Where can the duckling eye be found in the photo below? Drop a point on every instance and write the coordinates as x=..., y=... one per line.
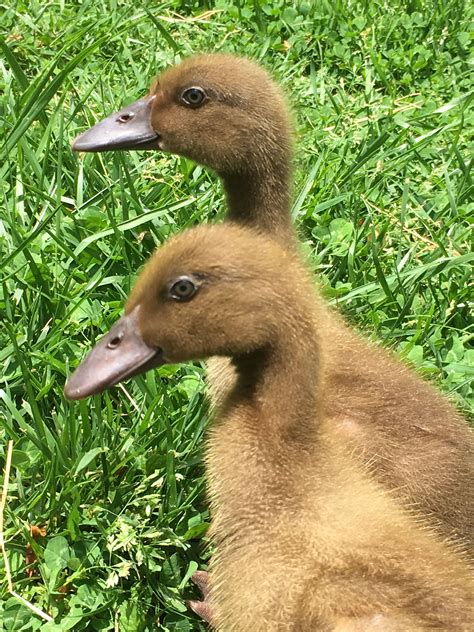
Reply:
x=194, y=97
x=183, y=289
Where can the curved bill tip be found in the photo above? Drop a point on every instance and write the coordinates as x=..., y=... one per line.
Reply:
x=129, y=128
x=119, y=355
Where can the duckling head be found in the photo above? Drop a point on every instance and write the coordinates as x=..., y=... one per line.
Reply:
x=220, y=110
x=212, y=290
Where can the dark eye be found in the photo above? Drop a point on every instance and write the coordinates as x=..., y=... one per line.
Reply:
x=183, y=289
x=194, y=97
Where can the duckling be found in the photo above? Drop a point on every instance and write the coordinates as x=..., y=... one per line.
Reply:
x=305, y=538
x=227, y=113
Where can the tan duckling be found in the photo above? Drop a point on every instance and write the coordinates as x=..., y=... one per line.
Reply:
x=227, y=113
x=224, y=112
x=306, y=539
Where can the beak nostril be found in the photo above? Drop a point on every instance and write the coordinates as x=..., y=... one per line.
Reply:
x=124, y=118
x=115, y=342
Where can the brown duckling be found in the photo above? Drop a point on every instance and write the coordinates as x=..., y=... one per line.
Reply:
x=306, y=539
x=227, y=113
x=224, y=112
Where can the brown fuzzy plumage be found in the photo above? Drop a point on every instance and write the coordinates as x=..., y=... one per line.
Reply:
x=243, y=132
x=412, y=437
x=306, y=539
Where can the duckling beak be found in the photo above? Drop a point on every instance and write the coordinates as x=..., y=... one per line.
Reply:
x=128, y=129
x=119, y=355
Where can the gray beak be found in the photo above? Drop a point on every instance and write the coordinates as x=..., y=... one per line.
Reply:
x=128, y=129
x=119, y=355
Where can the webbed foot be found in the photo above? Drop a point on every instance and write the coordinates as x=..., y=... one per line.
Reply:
x=201, y=608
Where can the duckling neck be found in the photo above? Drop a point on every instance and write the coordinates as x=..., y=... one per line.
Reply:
x=273, y=411
x=261, y=199
x=280, y=387
x=267, y=438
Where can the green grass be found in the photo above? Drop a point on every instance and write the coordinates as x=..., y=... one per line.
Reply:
x=383, y=203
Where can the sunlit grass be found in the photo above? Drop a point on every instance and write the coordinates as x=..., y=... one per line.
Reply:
x=382, y=202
